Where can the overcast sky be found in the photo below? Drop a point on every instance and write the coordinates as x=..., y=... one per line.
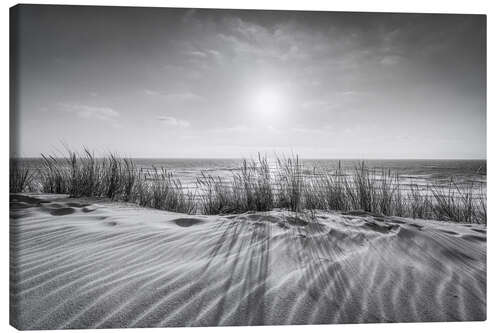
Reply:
x=150, y=82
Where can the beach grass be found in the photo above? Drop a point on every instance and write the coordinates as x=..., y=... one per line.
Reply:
x=250, y=189
x=158, y=188
x=20, y=178
x=290, y=184
x=254, y=186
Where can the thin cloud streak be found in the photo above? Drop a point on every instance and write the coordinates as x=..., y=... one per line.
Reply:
x=91, y=112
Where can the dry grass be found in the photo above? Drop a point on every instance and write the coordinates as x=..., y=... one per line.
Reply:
x=20, y=178
x=255, y=186
x=380, y=192
x=249, y=190
x=290, y=184
x=158, y=188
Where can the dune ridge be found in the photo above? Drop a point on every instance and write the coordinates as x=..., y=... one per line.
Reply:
x=78, y=263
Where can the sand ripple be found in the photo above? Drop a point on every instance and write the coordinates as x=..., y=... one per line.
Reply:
x=78, y=264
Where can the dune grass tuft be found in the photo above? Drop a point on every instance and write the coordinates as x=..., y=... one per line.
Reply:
x=87, y=176
x=290, y=184
x=158, y=188
x=21, y=178
x=250, y=189
x=380, y=192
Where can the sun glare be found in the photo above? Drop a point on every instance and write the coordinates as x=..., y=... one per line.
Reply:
x=268, y=102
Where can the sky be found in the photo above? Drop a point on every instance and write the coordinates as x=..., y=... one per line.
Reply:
x=188, y=83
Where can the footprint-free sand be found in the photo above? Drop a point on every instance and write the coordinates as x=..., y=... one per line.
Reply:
x=79, y=263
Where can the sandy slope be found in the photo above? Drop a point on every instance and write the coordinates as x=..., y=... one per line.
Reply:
x=81, y=265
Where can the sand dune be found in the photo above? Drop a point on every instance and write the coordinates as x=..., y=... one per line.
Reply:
x=84, y=264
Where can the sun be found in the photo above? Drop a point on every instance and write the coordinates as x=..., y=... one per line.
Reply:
x=268, y=101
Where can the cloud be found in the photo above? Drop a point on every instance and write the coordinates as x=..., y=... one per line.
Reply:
x=91, y=112
x=318, y=105
x=248, y=39
x=289, y=41
x=186, y=72
x=231, y=129
x=152, y=92
x=390, y=60
x=186, y=96
x=214, y=53
x=174, y=122
x=197, y=54
x=183, y=97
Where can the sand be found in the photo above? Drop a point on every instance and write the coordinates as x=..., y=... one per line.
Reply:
x=93, y=264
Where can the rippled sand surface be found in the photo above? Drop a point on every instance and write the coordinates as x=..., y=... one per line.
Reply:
x=93, y=264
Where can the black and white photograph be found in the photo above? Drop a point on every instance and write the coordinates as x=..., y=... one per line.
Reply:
x=177, y=167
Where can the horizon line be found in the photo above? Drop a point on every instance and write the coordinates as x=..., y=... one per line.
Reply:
x=253, y=155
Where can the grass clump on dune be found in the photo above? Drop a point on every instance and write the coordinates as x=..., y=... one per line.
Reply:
x=20, y=178
x=380, y=192
x=110, y=177
x=457, y=203
x=216, y=196
x=158, y=188
x=250, y=189
x=87, y=176
x=252, y=185
x=290, y=184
